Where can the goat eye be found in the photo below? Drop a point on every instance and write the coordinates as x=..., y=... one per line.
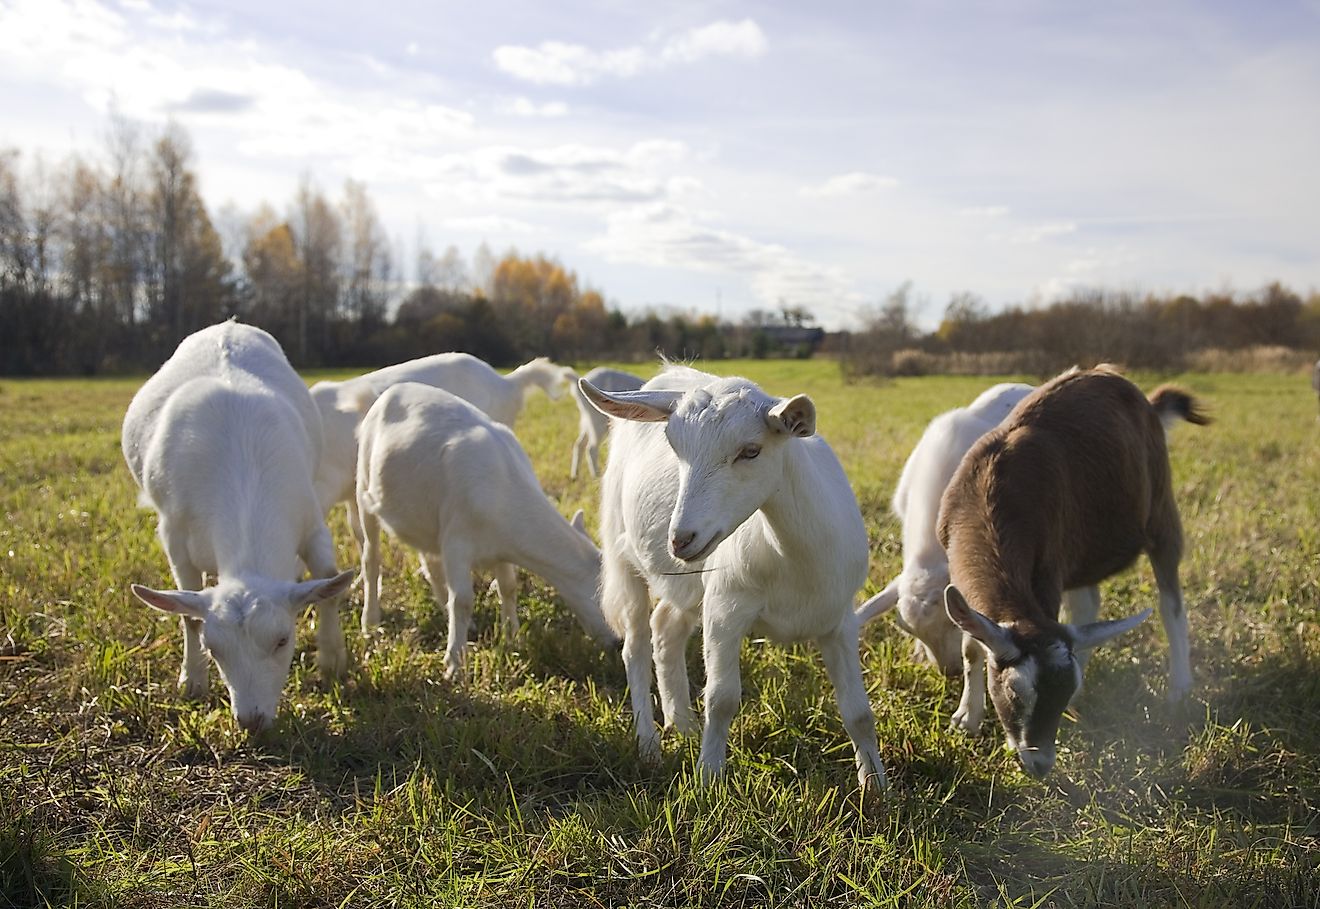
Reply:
x=281, y=642
x=748, y=453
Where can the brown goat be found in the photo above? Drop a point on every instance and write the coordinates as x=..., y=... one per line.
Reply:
x=1069, y=490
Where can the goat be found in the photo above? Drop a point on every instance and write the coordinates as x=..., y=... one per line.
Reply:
x=918, y=591
x=342, y=405
x=592, y=424
x=725, y=503
x=441, y=476
x=1068, y=491
x=223, y=441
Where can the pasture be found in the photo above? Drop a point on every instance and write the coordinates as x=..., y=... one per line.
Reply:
x=522, y=787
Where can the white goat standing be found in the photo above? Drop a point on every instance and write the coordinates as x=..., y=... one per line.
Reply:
x=918, y=591
x=223, y=441
x=592, y=424
x=723, y=501
x=447, y=480
x=342, y=405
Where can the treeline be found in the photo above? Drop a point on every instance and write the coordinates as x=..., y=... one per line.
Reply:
x=1273, y=328
x=106, y=262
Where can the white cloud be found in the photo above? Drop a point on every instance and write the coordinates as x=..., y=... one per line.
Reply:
x=984, y=211
x=719, y=39
x=560, y=63
x=412, y=49
x=155, y=67
x=489, y=225
x=850, y=184
x=664, y=235
x=562, y=174
x=524, y=107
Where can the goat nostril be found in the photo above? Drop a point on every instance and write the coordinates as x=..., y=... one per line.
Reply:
x=681, y=541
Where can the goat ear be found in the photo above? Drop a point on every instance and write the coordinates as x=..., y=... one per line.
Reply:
x=176, y=602
x=1094, y=634
x=320, y=589
x=579, y=521
x=643, y=406
x=879, y=604
x=990, y=635
x=795, y=416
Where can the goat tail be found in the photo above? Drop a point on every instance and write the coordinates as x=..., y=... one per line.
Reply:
x=879, y=604
x=1172, y=404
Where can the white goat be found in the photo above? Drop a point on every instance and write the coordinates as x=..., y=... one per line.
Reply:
x=722, y=500
x=343, y=403
x=918, y=591
x=223, y=441
x=592, y=424
x=447, y=480
x=1066, y=492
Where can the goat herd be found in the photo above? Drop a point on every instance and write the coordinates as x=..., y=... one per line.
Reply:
x=720, y=506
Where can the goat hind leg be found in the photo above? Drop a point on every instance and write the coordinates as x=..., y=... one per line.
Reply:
x=839, y=651
x=1174, y=617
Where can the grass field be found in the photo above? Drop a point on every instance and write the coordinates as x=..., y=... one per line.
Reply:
x=522, y=787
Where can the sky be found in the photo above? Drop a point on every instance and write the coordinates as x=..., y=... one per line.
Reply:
x=730, y=156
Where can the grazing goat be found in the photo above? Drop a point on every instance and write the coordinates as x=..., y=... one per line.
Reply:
x=447, y=480
x=722, y=500
x=1064, y=494
x=918, y=591
x=223, y=441
x=343, y=403
x=592, y=424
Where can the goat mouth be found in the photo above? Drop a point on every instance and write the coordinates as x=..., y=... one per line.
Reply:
x=701, y=553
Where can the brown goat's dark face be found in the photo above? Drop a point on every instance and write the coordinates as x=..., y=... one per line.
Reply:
x=1032, y=678
x=1030, y=695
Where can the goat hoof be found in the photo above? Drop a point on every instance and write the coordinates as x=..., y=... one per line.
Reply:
x=193, y=689
x=685, y=724
x=963, y=722
x=332, y=663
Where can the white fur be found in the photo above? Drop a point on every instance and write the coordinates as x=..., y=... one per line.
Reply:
x=447, y=480
x=772, y=545
x=592, y=424
x=342, y=405
x=918, y=591
x=223, y=442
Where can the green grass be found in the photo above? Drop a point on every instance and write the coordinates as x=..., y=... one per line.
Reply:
x=522, y=787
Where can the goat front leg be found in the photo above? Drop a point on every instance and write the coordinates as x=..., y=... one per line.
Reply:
x=722, y=631
x=1083, y=607
x=195, y=673
x=625, y=597
x=844, y=666
x=579, y=446
x=671, y=627
x=331, y=652
x=971, y=709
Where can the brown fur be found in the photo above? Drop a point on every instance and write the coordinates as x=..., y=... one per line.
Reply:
x=1066, y=493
